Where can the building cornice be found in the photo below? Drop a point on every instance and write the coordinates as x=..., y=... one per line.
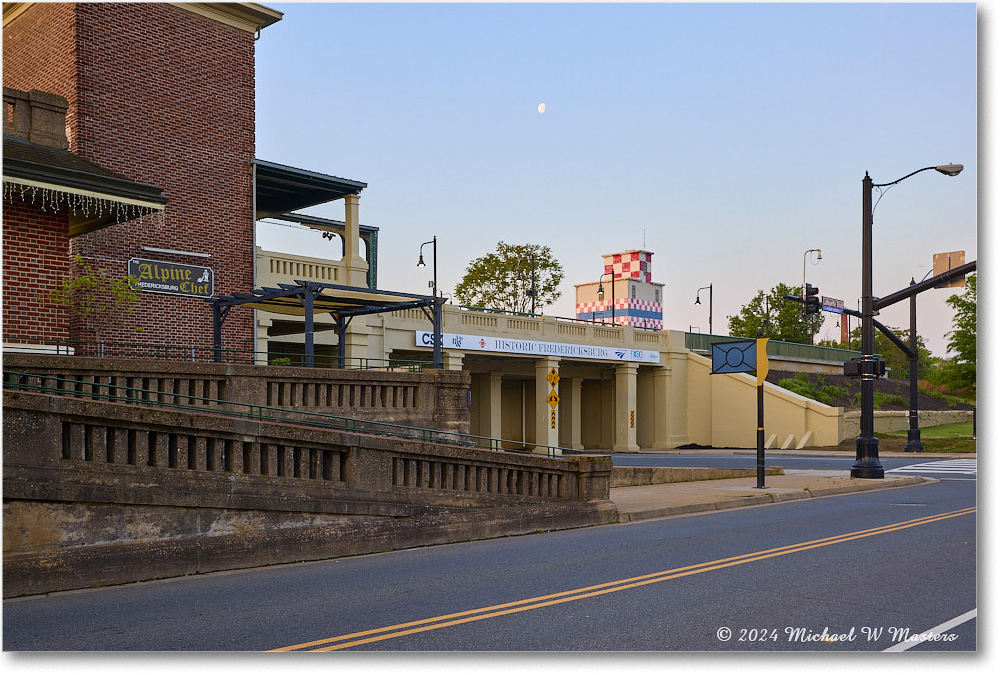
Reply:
x=12, y=10
x=247, y=16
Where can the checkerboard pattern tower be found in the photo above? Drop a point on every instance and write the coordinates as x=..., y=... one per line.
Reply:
x=630, y=265
x=637, y=298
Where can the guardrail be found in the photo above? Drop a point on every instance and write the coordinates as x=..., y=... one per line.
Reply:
x=704, y=341
x=197, y=354
x=115, y=393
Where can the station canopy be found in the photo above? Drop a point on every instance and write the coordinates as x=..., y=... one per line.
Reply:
x=312, y=297
x=308, y=298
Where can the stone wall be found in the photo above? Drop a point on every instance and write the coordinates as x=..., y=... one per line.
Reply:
x=888, y=421
x=105, y=493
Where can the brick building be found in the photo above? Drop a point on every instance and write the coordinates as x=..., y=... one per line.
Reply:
x=159, y=95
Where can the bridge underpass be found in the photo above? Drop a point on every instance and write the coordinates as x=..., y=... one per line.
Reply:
x=601, y=406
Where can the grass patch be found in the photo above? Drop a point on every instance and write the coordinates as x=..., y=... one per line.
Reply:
x=955, y=437
x=949, y=430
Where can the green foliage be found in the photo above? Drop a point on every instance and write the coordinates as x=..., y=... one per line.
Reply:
x=798, y=385
x=830, y=392
x=962, y=340
x=896, y=362
x=785, y=317
x=801, y=385
x=502, y=280
x=880, y=399
x=101, y=302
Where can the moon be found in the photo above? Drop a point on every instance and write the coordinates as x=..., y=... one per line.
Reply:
x=541, y=107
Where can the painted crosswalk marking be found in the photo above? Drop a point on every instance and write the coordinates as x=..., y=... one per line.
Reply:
x=963, y=466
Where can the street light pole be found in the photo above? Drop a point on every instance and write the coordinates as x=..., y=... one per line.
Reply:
x=600, y=293
x=437, y=302
x=697, y=301
x=533, y=293
x=913, y=443
x=866, y=463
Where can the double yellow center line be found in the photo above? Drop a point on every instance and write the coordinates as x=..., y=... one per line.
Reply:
x=438, y=622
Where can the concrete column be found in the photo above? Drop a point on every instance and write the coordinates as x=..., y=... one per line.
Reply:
x=571, y=407
x=678, y=409
x=625, y=408
x=546, y=432
x=263, y=323
x=356, y=343
x=661, y=408
x=452, y=360
x=357, y=267
x=491, y=408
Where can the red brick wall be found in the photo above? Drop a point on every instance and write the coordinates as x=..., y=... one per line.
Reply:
x=164, y=97
x=34, y=264
x=39, y=52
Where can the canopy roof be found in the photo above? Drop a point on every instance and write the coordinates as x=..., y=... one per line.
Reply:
x=308, y=298
x=91, y=195
x=340, y=301
x=281, y=189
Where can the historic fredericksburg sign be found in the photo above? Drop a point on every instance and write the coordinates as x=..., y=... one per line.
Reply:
x=517, y=346
x=156, y=276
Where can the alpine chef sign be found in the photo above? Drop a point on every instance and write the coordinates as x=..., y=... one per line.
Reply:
x=156, y=276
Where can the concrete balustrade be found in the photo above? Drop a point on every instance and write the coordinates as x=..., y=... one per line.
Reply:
x=99, y=493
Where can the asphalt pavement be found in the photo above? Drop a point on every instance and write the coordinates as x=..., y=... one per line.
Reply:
x=670, y=499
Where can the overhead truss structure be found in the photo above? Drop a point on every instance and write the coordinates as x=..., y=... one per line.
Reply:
x=343, y=303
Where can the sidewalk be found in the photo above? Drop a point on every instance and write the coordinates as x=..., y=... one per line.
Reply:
x=670, y=499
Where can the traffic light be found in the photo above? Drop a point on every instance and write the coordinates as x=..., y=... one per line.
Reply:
x=812, y=299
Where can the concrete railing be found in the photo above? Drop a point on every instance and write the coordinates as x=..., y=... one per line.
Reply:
x=432, y=399
x=103, y=493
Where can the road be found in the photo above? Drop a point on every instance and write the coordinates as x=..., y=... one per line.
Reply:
x=929, y=464
x=855, y=572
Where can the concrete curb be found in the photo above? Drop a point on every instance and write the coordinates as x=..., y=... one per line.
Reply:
x=767, y=495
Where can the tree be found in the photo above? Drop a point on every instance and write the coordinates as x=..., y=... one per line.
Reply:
x=503, y=279
x=98, y=300
x=785, y=317
x=962, y=340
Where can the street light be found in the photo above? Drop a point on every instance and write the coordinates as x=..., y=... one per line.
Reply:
x=805, y=257
x=697, y=301
x=437, y=302
x=913, y=443
x=600, y=292
x=520, y=278
x=866, y=463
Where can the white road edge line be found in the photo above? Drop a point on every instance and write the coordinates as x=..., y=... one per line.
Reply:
x=936, y=630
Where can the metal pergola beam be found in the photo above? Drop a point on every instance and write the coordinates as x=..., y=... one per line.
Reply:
x=343, y=303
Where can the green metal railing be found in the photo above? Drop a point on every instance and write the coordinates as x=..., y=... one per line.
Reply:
x=703, y=341
x=196, y=354
x=116, y=393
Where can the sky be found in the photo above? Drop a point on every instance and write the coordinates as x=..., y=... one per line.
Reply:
x=728, y=139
